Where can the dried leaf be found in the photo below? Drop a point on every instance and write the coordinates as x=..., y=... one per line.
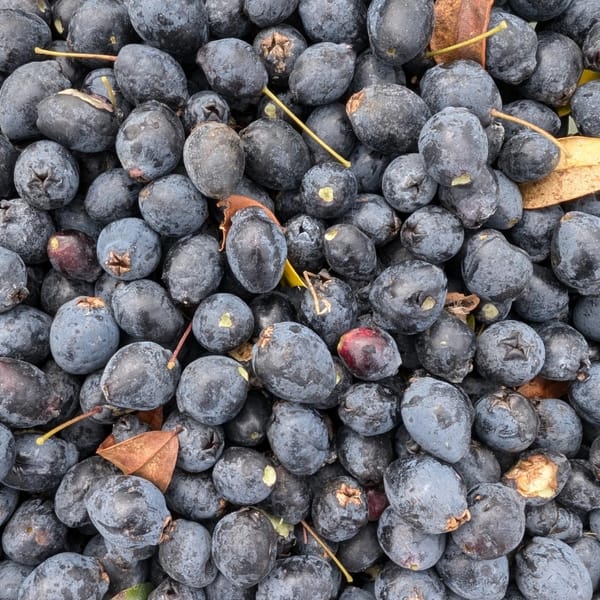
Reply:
x=456, y=21
x=92, y=100
x=141, y=591
x=539, y=387
x=577, y=174
x=151, y=455
x=461, y=305
x=154, y=418
x=235, y=202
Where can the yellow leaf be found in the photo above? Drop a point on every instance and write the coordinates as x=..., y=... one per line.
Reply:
x=290, y=277
x=587, y=75
x=577, y=174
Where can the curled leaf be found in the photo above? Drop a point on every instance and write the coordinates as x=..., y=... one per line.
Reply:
x=539, y=387
x=151, y=455
x=456, y=21
x=577, y=174
x=461, y=305
x=235, y=202
x=154, y=417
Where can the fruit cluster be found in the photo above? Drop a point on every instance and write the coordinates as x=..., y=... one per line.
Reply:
x=312, y=354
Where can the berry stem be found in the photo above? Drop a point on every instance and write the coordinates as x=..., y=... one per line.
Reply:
x=267, y=92
x=42, y=439
x=327, y=549
x=109, y=90
x=180, y=343
x=56, y=53
x=482, y=36
x=500, y=115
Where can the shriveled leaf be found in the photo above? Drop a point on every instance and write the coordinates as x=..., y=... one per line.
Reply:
x=151, y=455
x=154, y=417
x=92, y=100
x=577, y=174
x=539, y=387
x=456, y=21
x=461, y=305
x=235, y=202
x=141, y=591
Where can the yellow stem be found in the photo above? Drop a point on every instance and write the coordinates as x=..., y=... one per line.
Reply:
x=327, y=549
x=267, y=92
x=42, y=439
x=56, y=53
x=482, y=36
x=109, y=89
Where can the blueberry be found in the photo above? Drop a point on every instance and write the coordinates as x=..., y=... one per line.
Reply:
x=585, y=317
x=534, y=10
x=438, y=416
x=362, y=550
x=185, y=554
x=533, y=233
x=244, y=546
x=256, y=250
x=494, y=269
x=478, y=465
x=8, y=452
x=180, y=28
x=205, y=106
x=588, y=550
x=560, y=428
x=83, y=335
x=67, y=573
x=150, y=141
x=21, y=31
x=368, y=167
x=591, y=46
x=559, y=66
x=547, y=567
x=387, y=117
x=25, y=333
x=304, y=239
x=193, y=496
x=349, y=252
x=461, y=83
x=338, y=22
x=370, y=69
x=375, y=217
x=566, y=352
x=214, y=159
x=406, y=184
x=20, y=93
x=573, y=261
x=406, y=545
x=293, y=363
x=328, y=190
x=532, y=111
x=128, y=249
x=395, y=582
x=583, y=394
x=212, y=389
x=13, y=574
x=409, y=296
x=13, y=275
x=412, y=482
x=298, y=437
x=399, y=31
x=8, y=155
x=574, y=20
x=506, y=421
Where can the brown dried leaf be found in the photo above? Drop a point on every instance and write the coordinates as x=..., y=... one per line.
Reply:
x=151, y=455
x=154, y=418
x=93, y=100
x=456, y=21
x=539, y=387
x=577, y=174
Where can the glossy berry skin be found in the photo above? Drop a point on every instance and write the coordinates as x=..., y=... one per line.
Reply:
x=128, y=249
x=489, y=252
x=243, y=476
x=137, y=377
x=454, y=146
x=214, y=159
x=150, y=141
x=73, y=253
x=244, y=546
x=185, y=554
x=388, y=23
x=256, y=251
x=408, y=297
x=411, y=483
x=33, y=533
x=172, y=206
x=39, y=469
x=295, y=576
x=546, y=567
x=349, y=252
x=298, y=437
x=128, y=511
x=505, y=421
x=438, y=416
x=83, y=335
x=46, y=175
x=369, y=354
x=406, y=545
x=222, y=322
x=25, y=230
x=212, y=389
x=66, y=573
x=387, y=117
x=322, y=73
x=144, y=310
x=293, y=363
